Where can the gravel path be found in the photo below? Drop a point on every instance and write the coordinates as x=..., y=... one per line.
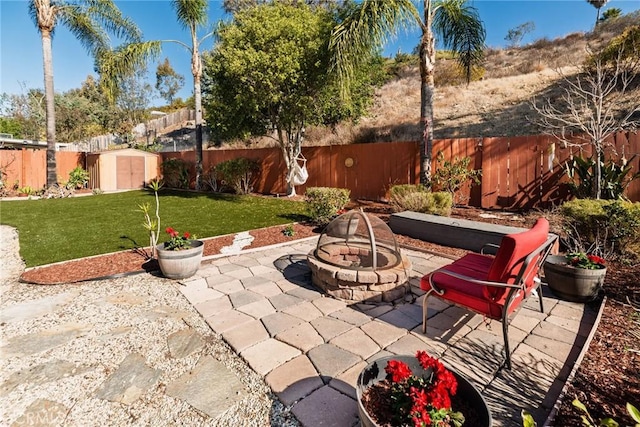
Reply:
x=127, y=351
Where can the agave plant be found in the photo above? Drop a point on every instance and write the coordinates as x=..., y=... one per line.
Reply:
x=614, y=180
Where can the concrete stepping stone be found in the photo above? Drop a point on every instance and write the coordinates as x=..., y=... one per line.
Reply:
x=279, y=322
x=183, y=343
x=326, y=407
x=41, y=374
x=42, y=413
x=38, y=342
x=209, y=387
x=129, y=382
x=33, y=309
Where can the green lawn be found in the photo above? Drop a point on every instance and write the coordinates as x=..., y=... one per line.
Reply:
x=61, y=229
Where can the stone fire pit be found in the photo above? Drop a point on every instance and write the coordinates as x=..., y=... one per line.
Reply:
x=357, y=259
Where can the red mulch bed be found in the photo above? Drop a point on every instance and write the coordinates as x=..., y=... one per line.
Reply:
x=608, y=377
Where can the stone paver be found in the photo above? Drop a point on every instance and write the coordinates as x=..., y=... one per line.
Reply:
x=279, y=322
x=227, y=320
x=303, y=336
x=327, y=407
x=246, y=335
x=268, y=355
x=329, y=328
x=209, y=387
x=382, y=333
x=129, y=382
x=330, y=360
x=294, y=380
x=356, y=341
x=183, y=343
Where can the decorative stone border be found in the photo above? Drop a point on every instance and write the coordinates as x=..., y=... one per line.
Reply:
x=386, y=285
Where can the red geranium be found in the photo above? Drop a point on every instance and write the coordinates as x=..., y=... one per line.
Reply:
x=420, y=400
x=176, y=241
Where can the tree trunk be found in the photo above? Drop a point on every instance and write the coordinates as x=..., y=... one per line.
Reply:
x=52, y=175
x=196, y=69
x=427, y=87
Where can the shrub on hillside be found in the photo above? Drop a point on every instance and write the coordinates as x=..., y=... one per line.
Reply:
x=418, y=198
x=324, y=203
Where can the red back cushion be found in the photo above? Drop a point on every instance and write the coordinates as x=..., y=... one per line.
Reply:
x=514, y=248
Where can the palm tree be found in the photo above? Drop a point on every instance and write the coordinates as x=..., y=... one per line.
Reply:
x=597, y=4
x=192, y=14
x=90, y=21
x=367, y=25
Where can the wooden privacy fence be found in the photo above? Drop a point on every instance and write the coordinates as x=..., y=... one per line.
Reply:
x=28, y=167
x=517, y=173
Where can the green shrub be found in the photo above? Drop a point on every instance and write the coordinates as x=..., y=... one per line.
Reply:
x=418, y=198
x=450, y=176
x=237, y=174
x=323, y=203
x=605, y=226
x=78, y=178
x=175, y=173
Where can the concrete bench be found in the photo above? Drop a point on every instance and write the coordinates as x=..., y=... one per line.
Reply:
x=452, y=232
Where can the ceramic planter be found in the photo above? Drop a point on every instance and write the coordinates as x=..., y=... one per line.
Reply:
x=571, y=283
x=180, y=264
x=374, y=373
x=343, y=227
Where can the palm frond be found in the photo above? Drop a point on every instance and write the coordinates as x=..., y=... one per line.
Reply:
x=191, y=13
x=365, y=28
x=461, y=31
x=115, y=65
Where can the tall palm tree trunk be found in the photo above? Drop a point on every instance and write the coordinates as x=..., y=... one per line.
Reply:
x=52, y=175
x=427, y=88
x=196, y=68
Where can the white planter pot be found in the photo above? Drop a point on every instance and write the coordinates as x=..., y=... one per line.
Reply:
x=180, y=264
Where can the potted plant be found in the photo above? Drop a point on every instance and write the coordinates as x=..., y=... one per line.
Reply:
x=405, y=390
x=577, y=276
x=344, y=225
x=180, y=256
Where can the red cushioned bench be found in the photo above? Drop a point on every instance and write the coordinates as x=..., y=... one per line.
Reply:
x=494, y=286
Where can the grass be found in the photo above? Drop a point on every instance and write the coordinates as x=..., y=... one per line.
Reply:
x=56, y=230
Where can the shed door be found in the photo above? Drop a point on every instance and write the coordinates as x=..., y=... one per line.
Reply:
x=129, y=172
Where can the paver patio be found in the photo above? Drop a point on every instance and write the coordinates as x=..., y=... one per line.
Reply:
x=311, y=347
x=144, y=345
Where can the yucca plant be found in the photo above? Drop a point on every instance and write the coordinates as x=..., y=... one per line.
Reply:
x=615, y=177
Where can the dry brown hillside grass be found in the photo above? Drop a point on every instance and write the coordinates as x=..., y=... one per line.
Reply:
x=497, y=105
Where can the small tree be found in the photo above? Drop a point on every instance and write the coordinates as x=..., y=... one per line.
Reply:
x=268, y=75
x=168, y=81
x=589, y=110
x=515, y=35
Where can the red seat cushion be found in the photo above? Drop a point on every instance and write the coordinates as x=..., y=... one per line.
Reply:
x=503, y=268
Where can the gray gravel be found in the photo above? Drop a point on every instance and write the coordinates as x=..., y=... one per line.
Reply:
x=60, y=344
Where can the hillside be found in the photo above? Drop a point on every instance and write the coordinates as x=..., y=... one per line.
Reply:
x=497, y=105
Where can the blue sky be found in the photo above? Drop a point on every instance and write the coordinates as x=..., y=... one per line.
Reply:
x=21, y=51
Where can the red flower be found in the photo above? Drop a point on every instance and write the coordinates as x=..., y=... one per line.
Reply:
x=186, y=235
x=172, y=232
x=596, y=259
x=398, y=370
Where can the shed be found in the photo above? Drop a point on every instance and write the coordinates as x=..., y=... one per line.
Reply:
x=123, y=169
